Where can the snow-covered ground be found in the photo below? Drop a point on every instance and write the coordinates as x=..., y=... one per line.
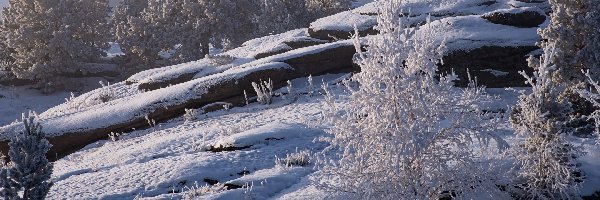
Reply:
x=15, y=100
x=232, y=154
x=176, y=158
x=156, y=162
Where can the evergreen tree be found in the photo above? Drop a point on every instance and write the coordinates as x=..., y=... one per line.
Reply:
x=29, y=170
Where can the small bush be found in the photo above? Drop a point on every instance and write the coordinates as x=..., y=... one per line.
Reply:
x=198, y=191
x=299, y=158
x=264, y=91
x=190, y=115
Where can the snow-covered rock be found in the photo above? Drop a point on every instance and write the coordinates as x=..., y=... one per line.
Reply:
x=517, y=17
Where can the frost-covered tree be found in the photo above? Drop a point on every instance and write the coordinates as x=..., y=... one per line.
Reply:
x=188, y=27
x=573, y=30
x=544, y=156
x=278, y=16
x=231, y=22
x=122, y=12
x=29, y=170
x=328, y=7
x=50, y=37
x=408, y=133
x=128, y=30
x=143, y=29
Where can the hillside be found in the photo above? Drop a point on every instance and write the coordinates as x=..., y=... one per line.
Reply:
x=198, y=129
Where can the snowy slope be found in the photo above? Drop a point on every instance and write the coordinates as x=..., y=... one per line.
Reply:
x=153, y=162
x=174, y=159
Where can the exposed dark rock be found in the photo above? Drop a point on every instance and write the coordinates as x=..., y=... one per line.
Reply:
x=532, y=1
x=492, y=66
x=211, y=181
x=525, y=19
x=329, y=60
x=229, y=148
x=594, y=196
x=231, y=186
x=488, y=3
x=243, y=173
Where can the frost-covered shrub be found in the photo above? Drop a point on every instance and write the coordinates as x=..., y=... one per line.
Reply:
x=544, y=157
x=299, y=158
x=264, y=91
x=133, y=38
x=29, y=172
x=408, y=133
x=311, y=87
x=104, y=95
x=593, y=95
x=292, y=95
x=51, y=37
x=190, y=115
x=198, y=191
x=114, y=136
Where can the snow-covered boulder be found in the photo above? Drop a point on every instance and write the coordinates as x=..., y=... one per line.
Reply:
x=263, y=135
x=341, y=26
x=70, y=132
x=517, y=17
